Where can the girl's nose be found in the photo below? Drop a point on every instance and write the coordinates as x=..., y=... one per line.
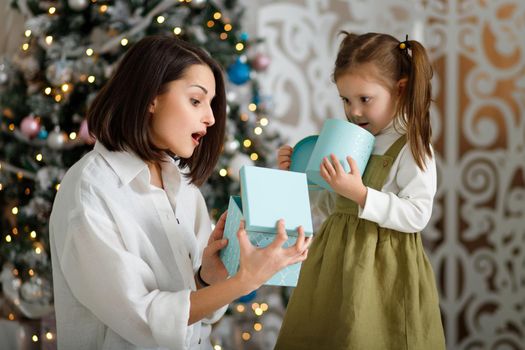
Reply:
x=355, y=112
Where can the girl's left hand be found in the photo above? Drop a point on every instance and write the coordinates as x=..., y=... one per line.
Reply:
x=213, y=269
x=349, y=185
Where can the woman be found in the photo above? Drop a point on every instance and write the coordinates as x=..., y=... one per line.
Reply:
x=134, y=263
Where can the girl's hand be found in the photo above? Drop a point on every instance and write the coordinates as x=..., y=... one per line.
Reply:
x=284, y=156
x=213, y=269
x=258, y=265
x=349, y=185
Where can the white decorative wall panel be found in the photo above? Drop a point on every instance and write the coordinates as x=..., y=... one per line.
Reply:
x=476, y=237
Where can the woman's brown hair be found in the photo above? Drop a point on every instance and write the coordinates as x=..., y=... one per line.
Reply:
x=394, y=61
x=119, y=114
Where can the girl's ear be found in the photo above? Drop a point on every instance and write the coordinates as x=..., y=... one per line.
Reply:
x=153, y=105
x=401, y=85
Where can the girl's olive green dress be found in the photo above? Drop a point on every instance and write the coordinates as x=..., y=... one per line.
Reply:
x=364, y=287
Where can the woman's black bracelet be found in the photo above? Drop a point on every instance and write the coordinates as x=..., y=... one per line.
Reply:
x=199, y=277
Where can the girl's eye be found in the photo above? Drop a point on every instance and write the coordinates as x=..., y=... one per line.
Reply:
x=195, y=102
x=345, y=100
x=365, y=99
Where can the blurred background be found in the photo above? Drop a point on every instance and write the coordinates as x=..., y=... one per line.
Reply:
x=278, y=57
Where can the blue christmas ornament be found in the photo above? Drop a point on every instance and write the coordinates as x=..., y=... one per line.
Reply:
x=42, y=134
x=248, y=297
x=239, y=72
x=244, y=36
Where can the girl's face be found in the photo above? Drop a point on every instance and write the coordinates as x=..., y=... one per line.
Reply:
x=181, y=115
x=366, y=101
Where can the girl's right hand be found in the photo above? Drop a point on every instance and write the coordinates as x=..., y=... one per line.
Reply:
x=284, y=156
x=258, y=265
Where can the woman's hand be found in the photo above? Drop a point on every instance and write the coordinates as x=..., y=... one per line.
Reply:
x=213, y=269
x=284, y=156
x=349, y=185
x=258, y=265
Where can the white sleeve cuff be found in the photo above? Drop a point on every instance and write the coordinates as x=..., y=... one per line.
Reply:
x=168, y=318
x=215, y=316
x=376, y=205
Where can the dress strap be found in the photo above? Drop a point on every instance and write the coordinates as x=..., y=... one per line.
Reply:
x=396, y=147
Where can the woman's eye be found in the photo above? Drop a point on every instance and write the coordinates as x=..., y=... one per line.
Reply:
x=195, y=102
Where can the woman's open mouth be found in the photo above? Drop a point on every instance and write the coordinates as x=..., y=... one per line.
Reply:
x=197, y=136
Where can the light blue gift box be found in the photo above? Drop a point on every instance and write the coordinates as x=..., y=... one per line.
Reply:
x=343, y=139
x=267, y=195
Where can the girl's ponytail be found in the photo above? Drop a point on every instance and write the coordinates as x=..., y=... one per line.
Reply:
x=414, y=103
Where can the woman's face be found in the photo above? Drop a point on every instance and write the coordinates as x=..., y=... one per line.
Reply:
x=366, y=101
x=182, y=114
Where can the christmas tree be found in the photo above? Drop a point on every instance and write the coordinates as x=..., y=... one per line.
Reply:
x=69, y=50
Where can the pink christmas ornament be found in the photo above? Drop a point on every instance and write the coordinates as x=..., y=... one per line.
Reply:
x=30, y=126
x=83, y=132
x=261, y=62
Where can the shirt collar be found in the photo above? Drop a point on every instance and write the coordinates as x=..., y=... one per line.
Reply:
x=392, y=129
x=128, y=166
x=125, y=164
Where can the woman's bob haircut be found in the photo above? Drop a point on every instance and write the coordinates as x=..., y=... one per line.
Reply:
x=119, y=116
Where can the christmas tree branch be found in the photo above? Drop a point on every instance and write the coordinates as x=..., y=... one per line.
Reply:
x=164, y=5
x=13, y=169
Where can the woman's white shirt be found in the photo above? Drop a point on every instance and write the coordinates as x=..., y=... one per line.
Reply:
x=405, y=201
x=124, y=255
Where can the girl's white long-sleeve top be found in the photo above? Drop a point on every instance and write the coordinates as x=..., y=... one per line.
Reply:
x=124, y=256
x=406, y=199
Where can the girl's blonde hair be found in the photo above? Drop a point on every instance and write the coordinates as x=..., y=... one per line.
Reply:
x=394, y=61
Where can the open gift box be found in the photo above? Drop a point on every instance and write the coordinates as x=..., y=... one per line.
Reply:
x=267, y=195
x=339, y=137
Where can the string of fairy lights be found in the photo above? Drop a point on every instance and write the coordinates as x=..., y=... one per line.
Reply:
x=60, y=93
x=58, y=139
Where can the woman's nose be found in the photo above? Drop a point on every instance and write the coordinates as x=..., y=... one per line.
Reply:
x=209, y=119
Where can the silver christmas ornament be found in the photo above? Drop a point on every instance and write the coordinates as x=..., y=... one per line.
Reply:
x=31, y=291
x=3, y=78
x=56, y=139
x=198, y=4
x=231, y=146
x=236, y=163
x=78, y=5
x=231, y=96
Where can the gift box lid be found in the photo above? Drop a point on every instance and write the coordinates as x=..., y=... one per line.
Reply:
x=270, y=194
x=301, y=154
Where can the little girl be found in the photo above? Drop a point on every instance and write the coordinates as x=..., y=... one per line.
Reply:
x=367, y=283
